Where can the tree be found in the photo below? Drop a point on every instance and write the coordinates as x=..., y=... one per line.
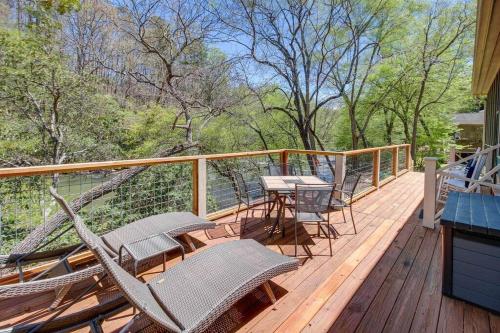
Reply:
x=440, y=46
x=38, y=91
x=169, y=38
x=294, y=44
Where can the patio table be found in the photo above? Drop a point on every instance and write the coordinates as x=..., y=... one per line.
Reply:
x=281, y=187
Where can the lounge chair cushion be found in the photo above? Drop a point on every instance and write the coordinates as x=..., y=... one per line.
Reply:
x=174, y=224
x=199, y=289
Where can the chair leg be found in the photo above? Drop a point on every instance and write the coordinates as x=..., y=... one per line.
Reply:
x=186, y=238
x=265, y=203
x=319, y=230
x=343, y=214
x=352, y=218
x=269, y=291
x=329, y=238
x=244, y=225
x=60, y=293
x=237, y=212
x=164, y=261
x=183, y=253
x=295, y=238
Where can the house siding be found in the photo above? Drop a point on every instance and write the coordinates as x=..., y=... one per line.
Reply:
x=491, y=118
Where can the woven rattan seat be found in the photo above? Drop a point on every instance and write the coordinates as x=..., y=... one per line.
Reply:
x=207, y=284
x=173, y=224
x=191, y=295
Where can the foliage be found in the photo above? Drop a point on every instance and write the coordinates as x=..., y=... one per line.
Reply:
x=89, y=80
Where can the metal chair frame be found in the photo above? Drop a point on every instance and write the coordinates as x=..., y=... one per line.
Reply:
x=243, y=197
x=342, y=202
x=319, y=210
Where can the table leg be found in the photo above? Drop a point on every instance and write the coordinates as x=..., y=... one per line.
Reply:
x=276, y=222
x=283, y=211
x=280, y=216
x=271, y=207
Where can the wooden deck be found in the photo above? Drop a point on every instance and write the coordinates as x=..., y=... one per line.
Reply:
x=384, y=278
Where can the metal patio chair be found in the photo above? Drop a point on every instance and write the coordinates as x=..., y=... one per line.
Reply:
x=192, y=294
x=244, y=198
x=277, y=169
x=311, y=202
x=342, y=197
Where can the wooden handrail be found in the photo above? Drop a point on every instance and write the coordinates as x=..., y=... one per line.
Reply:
x=77, y=167
x=92, y=166
x=314, y=152
x=371, y=150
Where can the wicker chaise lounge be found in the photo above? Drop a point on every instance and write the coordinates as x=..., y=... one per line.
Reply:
x=173, y=224
x=192, y=294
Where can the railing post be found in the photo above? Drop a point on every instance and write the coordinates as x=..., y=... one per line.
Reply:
x=340, y=172
x=453, y=154
x=395, y=161
x=284, y=162
x=376, y=168
x=200, y=187
x=408, y=157
x=430, y=192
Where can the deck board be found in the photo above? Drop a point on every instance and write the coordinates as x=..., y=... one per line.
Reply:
x=387, y=277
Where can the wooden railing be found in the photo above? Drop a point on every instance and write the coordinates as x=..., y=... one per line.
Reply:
x=435, y=178
x=199, y=166
x=380, y=165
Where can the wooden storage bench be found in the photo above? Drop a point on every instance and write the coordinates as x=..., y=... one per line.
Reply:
x=471, y=249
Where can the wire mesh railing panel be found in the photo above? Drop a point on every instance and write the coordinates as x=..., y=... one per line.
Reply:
x=361, y=164
x=401, y=158
x=385, y=164
x=321, y=166
x=112, y=198
x=108, y=199
x=23, y=206
x=221, y=187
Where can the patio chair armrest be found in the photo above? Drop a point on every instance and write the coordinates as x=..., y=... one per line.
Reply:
x=120, y=251
x=350, y=193
x=346, y=192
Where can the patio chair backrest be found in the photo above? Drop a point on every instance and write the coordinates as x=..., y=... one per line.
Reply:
x=478, y=167
x=313, y=198
x=242, y=193
x=348, y=180
x=277, y=169
x=80, y=227
x=137, y=293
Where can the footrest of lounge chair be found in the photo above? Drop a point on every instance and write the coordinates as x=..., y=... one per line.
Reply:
x=196, y=291
x=173, y=224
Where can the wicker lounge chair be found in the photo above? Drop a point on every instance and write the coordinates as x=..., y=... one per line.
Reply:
x=173, y=224
x=192, y=294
